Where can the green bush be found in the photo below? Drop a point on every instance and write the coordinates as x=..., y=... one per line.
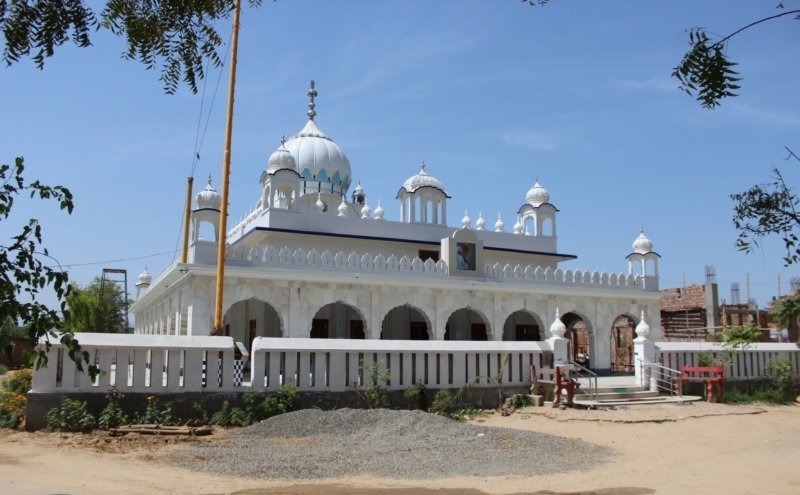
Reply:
x=14, y=399
x=19, y=382
x=442, y=403
x=71, y=415
x=417, y=396
x=112, y=415
x=780, y=373
x=3, y=369
x=374, y=394
x=256, y=407
x=155, y=414
x=521, y=400
x=223, y=416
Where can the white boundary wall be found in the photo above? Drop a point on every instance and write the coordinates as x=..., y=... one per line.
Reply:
x=748, y=364
x=172, y=364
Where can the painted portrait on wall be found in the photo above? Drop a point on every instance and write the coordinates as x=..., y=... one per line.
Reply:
x=465, y=256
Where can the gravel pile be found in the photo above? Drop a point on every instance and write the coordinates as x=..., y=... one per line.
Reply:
x=314, y=444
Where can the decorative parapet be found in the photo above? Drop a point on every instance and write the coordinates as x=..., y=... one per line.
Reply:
x=354, y=261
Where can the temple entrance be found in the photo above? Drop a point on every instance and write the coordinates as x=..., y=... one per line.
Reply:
x=579, y=339
x=251, y=318
x=404, y=323
x=466, y=324
x=522, y=326
x=622, y=335
x=337, y=321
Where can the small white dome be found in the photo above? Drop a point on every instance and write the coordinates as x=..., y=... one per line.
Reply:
x=319, y=204
x=480, y=223
x=642, y=244
x=359, y=189
x=466, y=221
x=208, y=198
x=379, y=211
x=519, y=228
x=342, y=209
x=144, y=279
x=558, y=329
x=281, y=158
x=422, y=179
x=499, y=225
x=642, y=329
x=366, y=211
x=537, y=195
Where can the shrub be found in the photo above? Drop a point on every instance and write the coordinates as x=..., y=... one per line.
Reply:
x=375, y=394
x=258, y=407
x=417, y=396
x=70, y=415
x=155, y=414
x=521, y=400
x=442, y=403
x=780, y=373
x=112, y=415
x=223, y=416
x=3, y=369
x=13, y=399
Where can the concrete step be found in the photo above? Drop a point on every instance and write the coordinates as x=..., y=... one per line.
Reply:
x=661, y=399
x=618, y=395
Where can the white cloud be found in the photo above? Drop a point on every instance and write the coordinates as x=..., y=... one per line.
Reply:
x=765, y=115
x=654, y=83
x=530, y=139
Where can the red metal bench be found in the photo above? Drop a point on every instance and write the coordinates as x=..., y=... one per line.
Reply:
x=713, y=376
x=555, y=380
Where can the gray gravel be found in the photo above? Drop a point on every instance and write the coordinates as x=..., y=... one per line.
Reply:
x=314, y=444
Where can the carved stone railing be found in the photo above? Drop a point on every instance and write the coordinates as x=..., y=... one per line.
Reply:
x=532, y=273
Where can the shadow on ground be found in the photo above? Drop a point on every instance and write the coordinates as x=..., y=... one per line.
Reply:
x=349, y=490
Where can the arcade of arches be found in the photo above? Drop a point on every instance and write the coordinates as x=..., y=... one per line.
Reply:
x=252, y=318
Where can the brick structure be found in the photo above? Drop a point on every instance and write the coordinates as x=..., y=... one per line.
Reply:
x=688, y=312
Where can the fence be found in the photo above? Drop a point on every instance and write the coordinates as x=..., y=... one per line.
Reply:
x=745, y=364
x=335, y=365
x=172, y=364
x=142, y=363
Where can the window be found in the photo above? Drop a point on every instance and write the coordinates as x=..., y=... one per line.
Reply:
x=425, y=254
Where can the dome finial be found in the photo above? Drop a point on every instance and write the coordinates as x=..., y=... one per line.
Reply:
x=422, y=166
x=283, y=140
x=312, y=93
x=209, y=179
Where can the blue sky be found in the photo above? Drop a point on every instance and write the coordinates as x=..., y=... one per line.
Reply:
x=491, y=94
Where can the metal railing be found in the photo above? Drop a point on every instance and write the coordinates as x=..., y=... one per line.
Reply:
x=586, y=376
x=665, y=380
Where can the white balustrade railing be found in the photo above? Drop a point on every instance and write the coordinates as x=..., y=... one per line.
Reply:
x=156, y=364
x=745, y=364
x=142, y=363
x=337, y=365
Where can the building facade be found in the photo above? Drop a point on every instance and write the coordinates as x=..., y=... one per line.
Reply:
x=313, y=258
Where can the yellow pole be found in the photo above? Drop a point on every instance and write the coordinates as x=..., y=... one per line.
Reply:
x=226, y=173
x=186, y=217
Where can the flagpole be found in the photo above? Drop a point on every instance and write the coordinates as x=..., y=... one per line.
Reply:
x=226, y=172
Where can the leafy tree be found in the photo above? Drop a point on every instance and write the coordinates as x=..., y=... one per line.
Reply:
x=175, y=35
x=766, y=210
x=98, y=307
x=787, y=312
x=23, y=275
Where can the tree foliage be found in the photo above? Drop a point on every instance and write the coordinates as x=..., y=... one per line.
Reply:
x=173, y=35
x=23, y=274
x=706, y=72
x=98, y=307
x=786, y=311
x=766, y=210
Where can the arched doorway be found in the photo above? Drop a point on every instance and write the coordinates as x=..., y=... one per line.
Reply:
x=405, y=323
x=337, y=321
x=466, y=324
x=578, y=333
x=522, y=326
x=622, y=335
x=251, y=318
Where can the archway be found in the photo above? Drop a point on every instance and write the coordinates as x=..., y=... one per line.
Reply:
x=251, y=318
x=622, y=335
x=405, y=323
x=578, y=333
x=522, y=326
x=466, y=324
x=337, y=321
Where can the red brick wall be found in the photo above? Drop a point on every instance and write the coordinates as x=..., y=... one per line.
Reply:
x=681, y=299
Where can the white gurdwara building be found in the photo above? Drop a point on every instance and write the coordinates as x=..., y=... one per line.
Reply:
x=313, y=259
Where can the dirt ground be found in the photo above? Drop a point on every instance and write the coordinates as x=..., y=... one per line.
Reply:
x=661, y=449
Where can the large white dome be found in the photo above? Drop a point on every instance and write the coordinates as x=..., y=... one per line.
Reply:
x=318, y=158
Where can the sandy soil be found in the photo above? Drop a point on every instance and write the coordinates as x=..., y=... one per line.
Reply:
x=661, y=449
